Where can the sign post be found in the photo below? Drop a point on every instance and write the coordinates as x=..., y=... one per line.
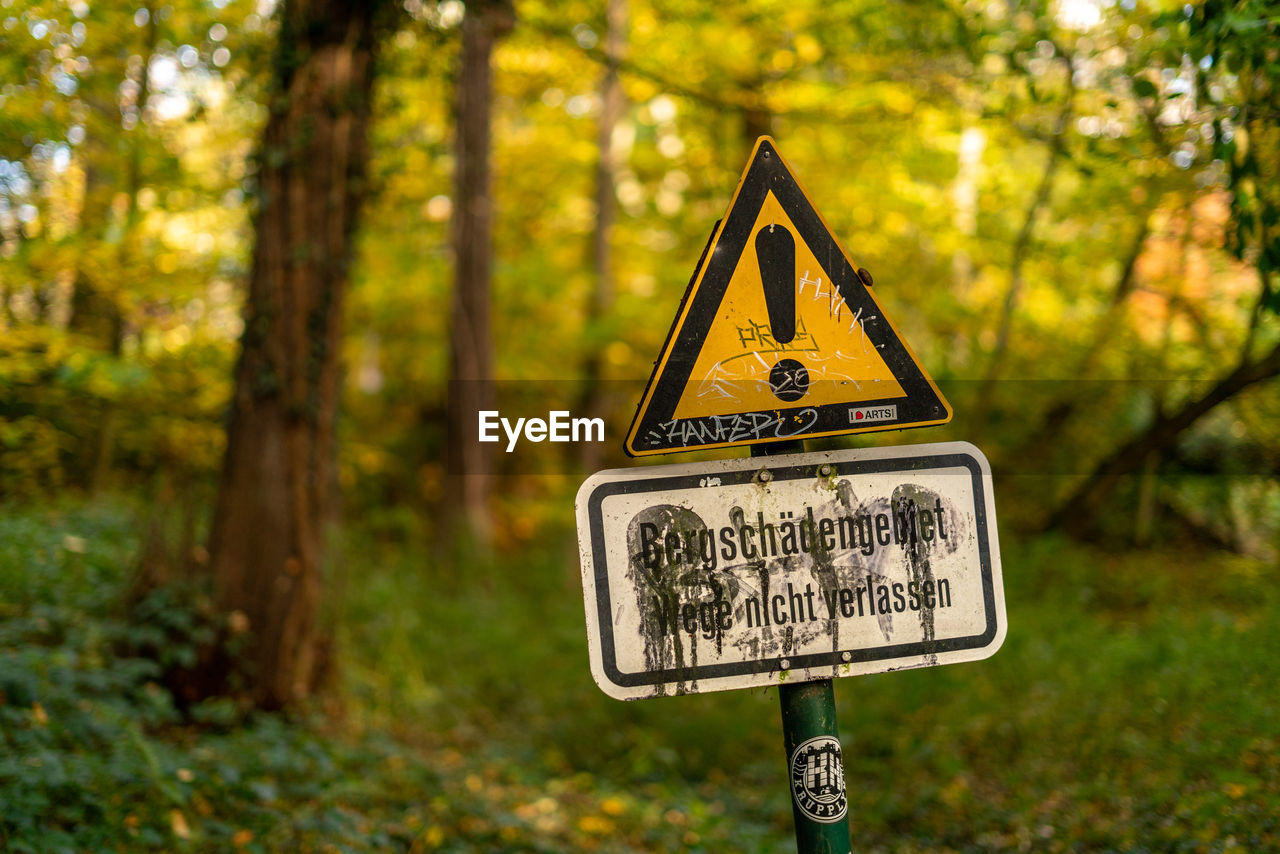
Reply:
x=787, y=568
x=819, y=802
x=815, y=767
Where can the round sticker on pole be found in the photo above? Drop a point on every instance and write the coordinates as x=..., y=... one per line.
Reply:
x=817, y=779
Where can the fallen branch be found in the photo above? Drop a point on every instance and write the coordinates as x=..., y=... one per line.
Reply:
x=1075, y=515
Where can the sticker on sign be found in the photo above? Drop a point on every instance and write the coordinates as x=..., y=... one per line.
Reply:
x=869, y=414
x=757, y=571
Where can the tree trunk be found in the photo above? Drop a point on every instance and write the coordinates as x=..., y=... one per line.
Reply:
x=267, y=539
x=470, y=337
x=964, y=198
x=593, y=403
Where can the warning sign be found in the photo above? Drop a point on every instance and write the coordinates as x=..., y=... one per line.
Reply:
x=759, y=571
x=778, y=337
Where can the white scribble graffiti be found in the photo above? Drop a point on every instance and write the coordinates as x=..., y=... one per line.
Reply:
x=744, y=427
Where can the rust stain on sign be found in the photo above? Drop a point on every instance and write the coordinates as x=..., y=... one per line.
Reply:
x=749, y=572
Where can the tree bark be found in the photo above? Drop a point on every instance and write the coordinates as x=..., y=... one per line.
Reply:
x=470, y=334
x=266, y=543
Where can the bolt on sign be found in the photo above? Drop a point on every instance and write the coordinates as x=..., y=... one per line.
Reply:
x=767, y=570
x=779, y=336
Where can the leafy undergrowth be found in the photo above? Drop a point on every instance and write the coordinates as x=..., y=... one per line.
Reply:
x=94, y=755
x=1132, y=708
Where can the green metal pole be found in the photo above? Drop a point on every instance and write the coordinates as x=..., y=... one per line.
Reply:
x=815, y=769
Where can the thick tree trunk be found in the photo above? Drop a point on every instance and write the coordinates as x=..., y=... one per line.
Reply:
x=470, y=335
x=267, y=538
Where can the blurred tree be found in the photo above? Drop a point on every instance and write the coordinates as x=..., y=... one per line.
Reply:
x=275, y=495
x=593, y=403
x=924, y=133
x=120, y=153
x=1022, y=246
x=470, y=335
x=1233, y=45
x=95, y=310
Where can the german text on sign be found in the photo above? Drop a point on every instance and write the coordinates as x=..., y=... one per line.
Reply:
x=747, y=572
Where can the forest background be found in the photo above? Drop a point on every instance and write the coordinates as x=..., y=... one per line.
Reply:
x=260, y=265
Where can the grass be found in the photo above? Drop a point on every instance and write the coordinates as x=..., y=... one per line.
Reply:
x=1132, y=708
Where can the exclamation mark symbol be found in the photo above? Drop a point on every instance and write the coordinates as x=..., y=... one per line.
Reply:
x=776, y=255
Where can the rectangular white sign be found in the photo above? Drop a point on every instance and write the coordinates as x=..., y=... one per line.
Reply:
x=757, y=571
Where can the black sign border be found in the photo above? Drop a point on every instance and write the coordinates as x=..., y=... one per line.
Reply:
x=677, y=676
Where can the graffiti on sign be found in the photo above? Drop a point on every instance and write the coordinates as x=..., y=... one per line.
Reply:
x=748, y=572
x=779, y=336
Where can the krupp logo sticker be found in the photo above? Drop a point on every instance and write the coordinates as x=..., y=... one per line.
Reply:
x=873, y=413
x=817, y=779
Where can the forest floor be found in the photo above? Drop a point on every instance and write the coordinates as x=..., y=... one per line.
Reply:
x=1132, y=708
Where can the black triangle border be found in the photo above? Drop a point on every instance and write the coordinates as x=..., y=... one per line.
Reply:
x=922, y=406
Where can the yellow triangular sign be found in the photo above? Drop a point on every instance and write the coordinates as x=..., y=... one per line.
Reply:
x=777, y=337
